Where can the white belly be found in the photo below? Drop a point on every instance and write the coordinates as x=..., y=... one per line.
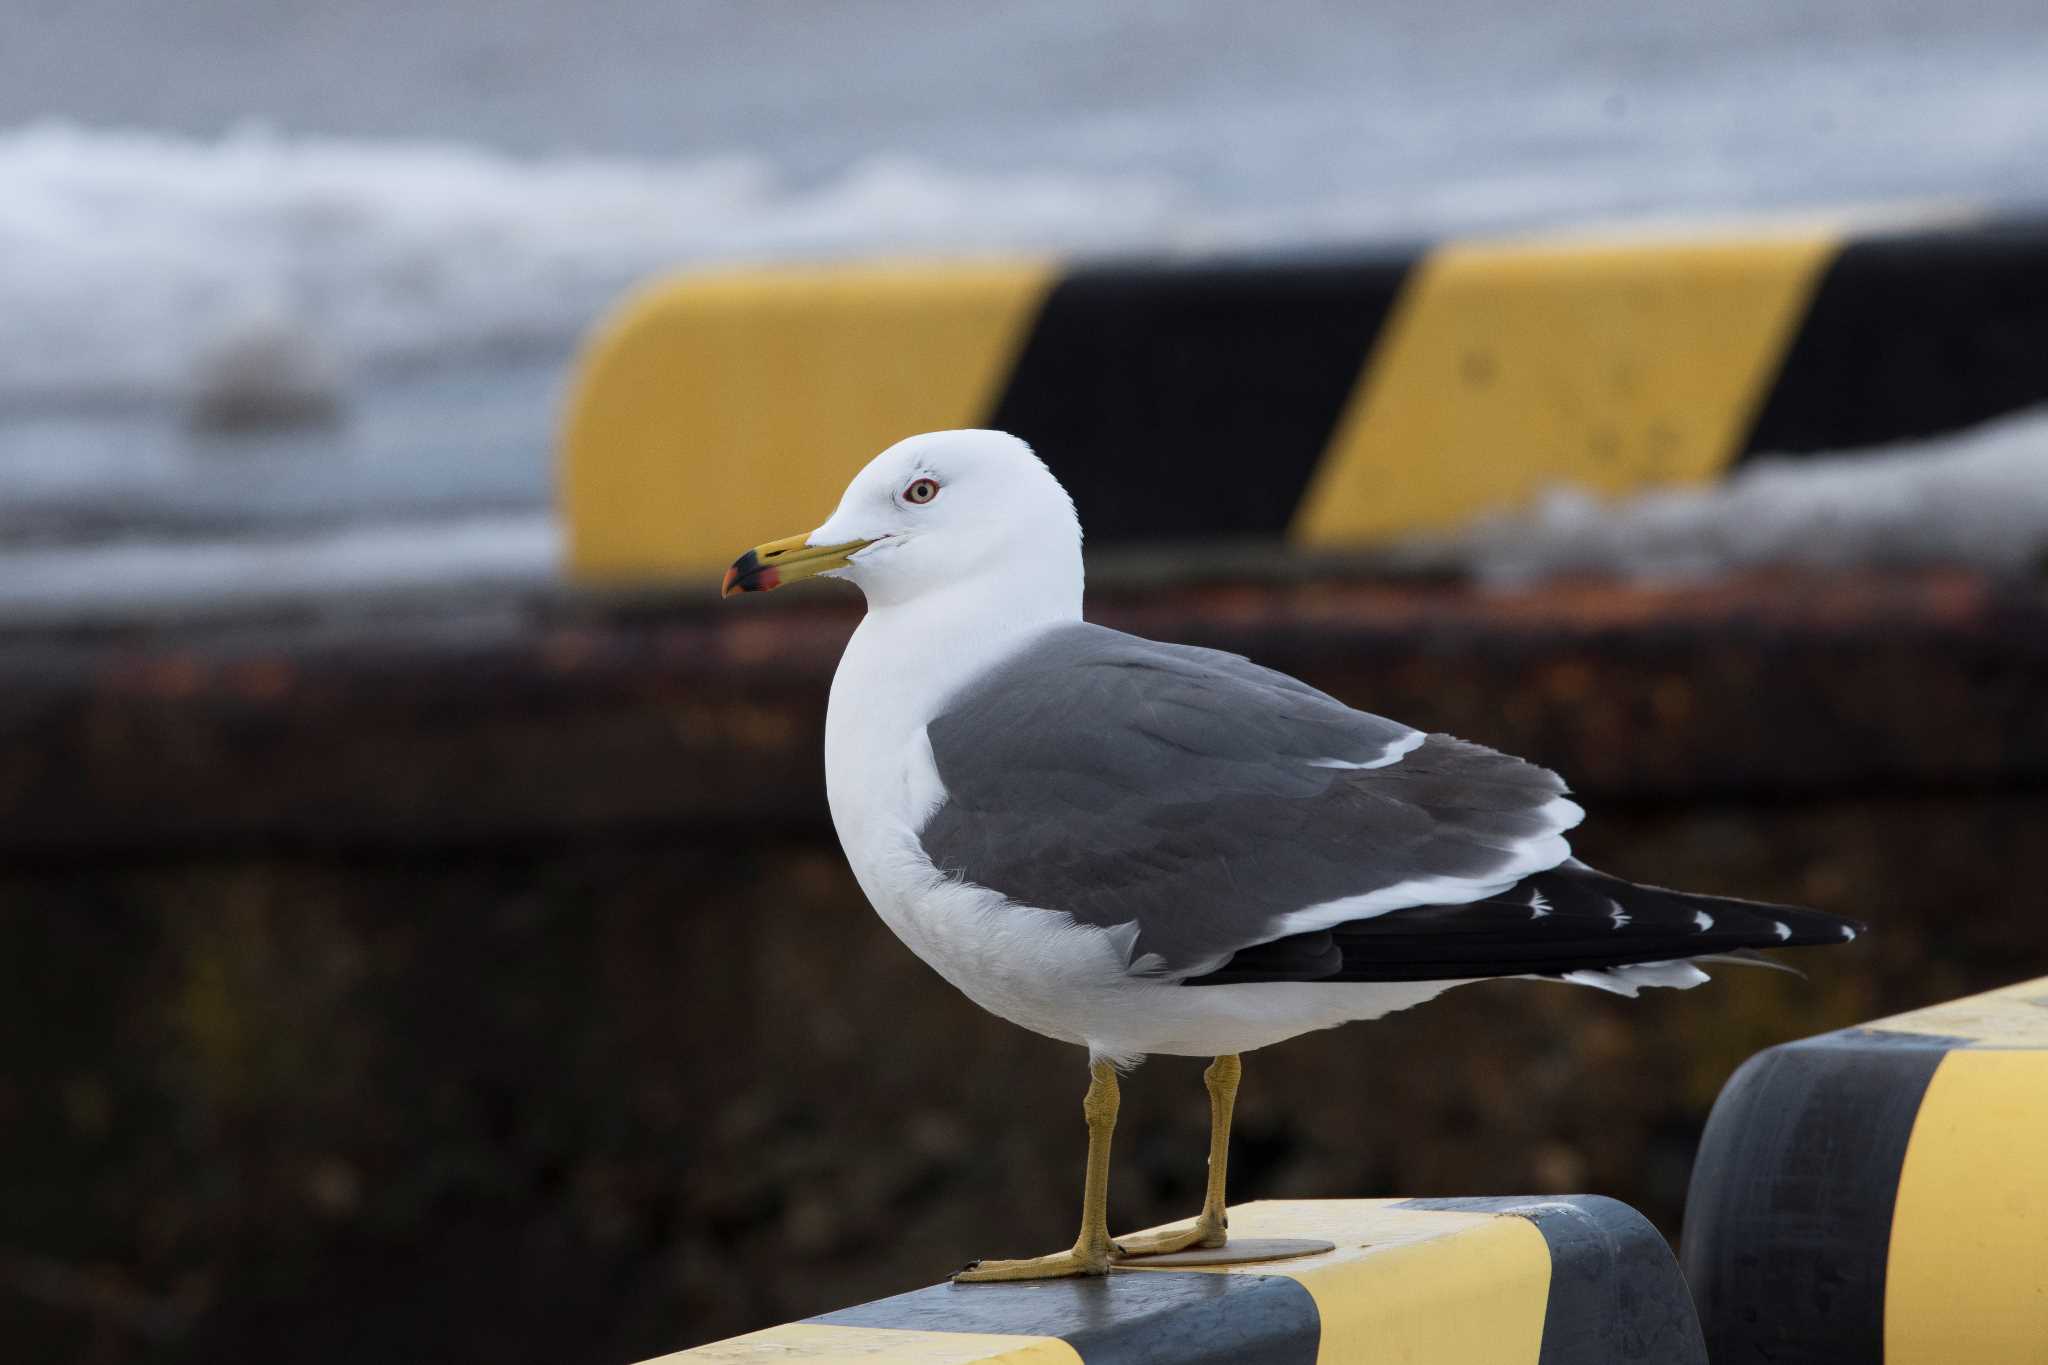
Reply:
x=1039, y=969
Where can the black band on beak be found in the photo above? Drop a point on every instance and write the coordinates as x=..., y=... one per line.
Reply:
x=785, y=561
x=749, y=574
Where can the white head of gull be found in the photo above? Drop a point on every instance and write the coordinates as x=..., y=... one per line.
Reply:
x=1142, y=847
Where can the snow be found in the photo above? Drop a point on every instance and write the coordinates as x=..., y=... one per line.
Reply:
x=124, y=255
x=1977, y=498
x=121, y=581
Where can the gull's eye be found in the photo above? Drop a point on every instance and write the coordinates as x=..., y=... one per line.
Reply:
x=921, y=491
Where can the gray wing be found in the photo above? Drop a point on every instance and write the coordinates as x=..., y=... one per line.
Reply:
x=1202, y=804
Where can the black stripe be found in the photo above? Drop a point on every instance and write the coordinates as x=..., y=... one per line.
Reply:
x=1789, y=1218
x=1913, y=335
x=1130, y=1318
x=1615, y=1291
x=1190, y=401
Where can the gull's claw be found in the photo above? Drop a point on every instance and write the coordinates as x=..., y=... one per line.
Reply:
x=1058, y=1266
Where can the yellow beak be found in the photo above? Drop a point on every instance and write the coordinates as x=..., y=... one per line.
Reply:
x=785, y=561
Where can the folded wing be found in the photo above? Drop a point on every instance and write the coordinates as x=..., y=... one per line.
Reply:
x=1200, y=806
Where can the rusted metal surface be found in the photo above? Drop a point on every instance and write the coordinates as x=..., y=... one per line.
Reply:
x=565, y=716
x=499, y=959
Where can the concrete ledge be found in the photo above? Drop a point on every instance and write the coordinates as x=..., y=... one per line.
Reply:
x=1576, y=1278
x=1879, y=1192
x=1377, y=392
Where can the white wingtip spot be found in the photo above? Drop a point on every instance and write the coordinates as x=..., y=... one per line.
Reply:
x=1848, y=933
x=1393, y=753
x=1702, y=921
x=1617, y=914
x=1538, y=906
x=1784, y=929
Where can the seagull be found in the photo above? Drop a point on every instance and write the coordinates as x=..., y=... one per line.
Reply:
x=1139, y=847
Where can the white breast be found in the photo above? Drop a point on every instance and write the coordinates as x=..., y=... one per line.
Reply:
x=1020, y=963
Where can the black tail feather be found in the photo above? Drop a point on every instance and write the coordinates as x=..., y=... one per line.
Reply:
x=1570, y=918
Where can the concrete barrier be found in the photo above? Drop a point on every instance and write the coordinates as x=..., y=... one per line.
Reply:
x=1327, y=401
x=1881, y=1193
x=1576, y=1279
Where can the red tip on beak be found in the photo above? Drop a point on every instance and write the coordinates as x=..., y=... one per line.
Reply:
x=749, y=575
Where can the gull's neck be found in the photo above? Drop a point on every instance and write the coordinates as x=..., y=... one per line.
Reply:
x=921, y=651
x=901, y=667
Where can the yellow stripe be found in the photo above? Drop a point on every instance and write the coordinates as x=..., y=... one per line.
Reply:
x=715, y=409
x=816, y=1344
x=1508, y=367
x=1967, y=1274
x=2015, y=1016
x=1412, y=1284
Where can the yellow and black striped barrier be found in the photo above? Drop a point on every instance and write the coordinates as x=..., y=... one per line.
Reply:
x=1881, y=1193
x=1573, y=1280
x=1325, y=401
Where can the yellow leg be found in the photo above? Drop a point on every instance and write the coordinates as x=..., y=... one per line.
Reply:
x=1090, y=1254
x=1211, y=1228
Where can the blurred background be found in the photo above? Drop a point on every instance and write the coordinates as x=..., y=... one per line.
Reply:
x=405, y=952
